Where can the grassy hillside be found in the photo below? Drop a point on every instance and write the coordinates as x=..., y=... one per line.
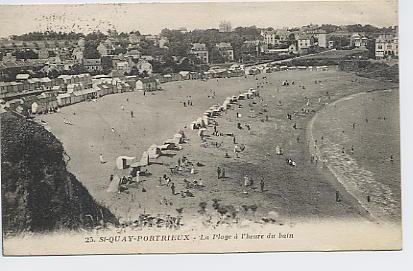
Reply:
x=38, y=193
x=372, y=70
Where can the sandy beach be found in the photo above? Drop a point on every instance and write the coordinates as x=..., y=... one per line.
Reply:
x=290, y=194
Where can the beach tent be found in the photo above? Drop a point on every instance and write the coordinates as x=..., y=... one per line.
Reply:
x=226, y=104
x=168, y=146
x=178, y=138
x=182, y=134
x=144, y=159
x=123, y=162
x=215, y=112
x=201, y=122
x=154, y=152
x=208, y=113
x=114, y=184
x=194, y=125
x=234, y=99
x=278, y=150
x=205, y=119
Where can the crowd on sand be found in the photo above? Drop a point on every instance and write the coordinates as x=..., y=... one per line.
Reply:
x=185, y=171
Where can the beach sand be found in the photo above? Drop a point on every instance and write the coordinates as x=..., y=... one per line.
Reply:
x=291, y=193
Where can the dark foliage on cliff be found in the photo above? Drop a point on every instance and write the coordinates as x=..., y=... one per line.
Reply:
x=370, y=69
x=38, y=193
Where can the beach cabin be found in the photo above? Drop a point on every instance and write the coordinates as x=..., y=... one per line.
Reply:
x=146, y=84
x=33, y=84
x=64, y=99
x=123, y=162
x=46, y=83
x=178, y=138
x=13, y=104
x=184, y=75
x=154, y=152
x=44, y=104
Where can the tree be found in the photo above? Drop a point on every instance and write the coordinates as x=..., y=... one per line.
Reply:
x=215, y=56
x=91, y=50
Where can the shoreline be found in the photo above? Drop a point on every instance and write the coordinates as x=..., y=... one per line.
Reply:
x=374, y=214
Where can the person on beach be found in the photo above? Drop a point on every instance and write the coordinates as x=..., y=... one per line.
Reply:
x=173, y=188
x=131, y=114
x=218, y=172
x=262, y=184
x=168, y=181
x=236, y=151
x=102, y=161
x=246, y=181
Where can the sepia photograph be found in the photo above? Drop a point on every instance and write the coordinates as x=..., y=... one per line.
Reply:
x=204, y=127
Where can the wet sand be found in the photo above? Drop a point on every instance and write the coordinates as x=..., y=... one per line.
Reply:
x=364, y=158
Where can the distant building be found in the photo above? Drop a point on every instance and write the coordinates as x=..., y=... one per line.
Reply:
x=144, y=66
x=134, y=38
x=225, y=27
x=304, y=42
x=146, y=84
x=134, y=54
x=78, y=54
x=200, y=51
x=152, y=38
x=270, y=37
x=253, y=48
x=320, y=35
x=43, y=53
x=9, y=58
x=93, y=65
x=106, y=48
x=387, y=46
x=226, y=50
x=357, y=40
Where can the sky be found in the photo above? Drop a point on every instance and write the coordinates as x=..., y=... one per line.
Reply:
x=150, y=18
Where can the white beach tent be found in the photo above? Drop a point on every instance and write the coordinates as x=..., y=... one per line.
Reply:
x=123, y=162
x=154, y=151
x=114, y=184
x=144, y=159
